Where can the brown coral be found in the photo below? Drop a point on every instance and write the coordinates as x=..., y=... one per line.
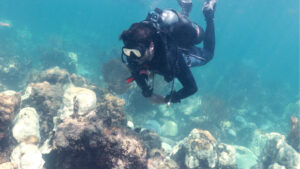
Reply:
x=89, y=144
x=55, y=75
x=111, y=109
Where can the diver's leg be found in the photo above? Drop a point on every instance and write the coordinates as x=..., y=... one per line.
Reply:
x=197, y=57
x=186, y=6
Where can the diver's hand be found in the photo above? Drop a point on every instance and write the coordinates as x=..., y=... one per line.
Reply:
x=156, y=99
x=169, y=99
x=209, y=8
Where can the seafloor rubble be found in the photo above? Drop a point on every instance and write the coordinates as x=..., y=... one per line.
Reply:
x=63, y=122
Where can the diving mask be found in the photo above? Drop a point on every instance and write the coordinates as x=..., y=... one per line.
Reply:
x=128, y=52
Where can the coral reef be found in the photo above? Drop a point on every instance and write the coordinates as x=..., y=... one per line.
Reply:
x=46, y=99
x=151, y=140
x=200, y=150
x=293, y=137
x=54, y=75
x=27, y=156
x=89, y=143
x=58, y=76
x=68, y=123
x=77, y=101
x=26, y=126
x=9, y=105
x=111, y=109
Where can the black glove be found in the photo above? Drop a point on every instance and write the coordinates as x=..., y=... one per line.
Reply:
x=209, y=8
x=170, y=98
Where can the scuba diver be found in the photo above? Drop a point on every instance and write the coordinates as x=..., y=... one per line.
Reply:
x=164, y=43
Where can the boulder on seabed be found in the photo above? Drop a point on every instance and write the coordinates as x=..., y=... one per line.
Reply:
x=46, y=98
x=200, y=150
x=10, y=102
x=77, y=102
x=27, y=156
x=9, y=105
x=26, y=126
x=276, y=150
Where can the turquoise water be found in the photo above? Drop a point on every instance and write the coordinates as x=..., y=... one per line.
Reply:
x=253, y=79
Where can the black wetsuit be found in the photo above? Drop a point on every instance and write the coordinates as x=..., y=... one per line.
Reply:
x=172, y=61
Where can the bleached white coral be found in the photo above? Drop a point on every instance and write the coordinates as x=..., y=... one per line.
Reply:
x=26, y=125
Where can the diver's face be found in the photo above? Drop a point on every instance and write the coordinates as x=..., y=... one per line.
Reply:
x=139, y=53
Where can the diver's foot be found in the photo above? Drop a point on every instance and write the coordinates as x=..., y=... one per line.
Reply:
x=184, y=1
x=186, y=6
x=209, y=5
x=209, y=8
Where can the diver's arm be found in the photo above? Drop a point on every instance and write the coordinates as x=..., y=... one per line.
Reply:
x=187, y=80
x=141, y=82
x=209, y=39
x=146, y=90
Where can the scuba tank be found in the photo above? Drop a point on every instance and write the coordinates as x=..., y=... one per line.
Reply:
x=175, y=26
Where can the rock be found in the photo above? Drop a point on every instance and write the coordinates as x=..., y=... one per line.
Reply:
x=200, y=150
x=78, y=81
x=151, y=140
x=47, y=100
x=111, y=109
x=293, y=137
x=130, y=125
x=7, y=165
x=95, y=146
x=9, y=104
x=55, y=75
x=227, y=156
x=245, y=158
x=278, y=151
x=153, y=125
x=169, y=128
x=77, y=102
x=26, y=126
x=98, y=139
x=27, y=156
x=196, y=150
x=166, y=147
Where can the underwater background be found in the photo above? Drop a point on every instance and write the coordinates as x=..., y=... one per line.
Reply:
x=251, y=87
